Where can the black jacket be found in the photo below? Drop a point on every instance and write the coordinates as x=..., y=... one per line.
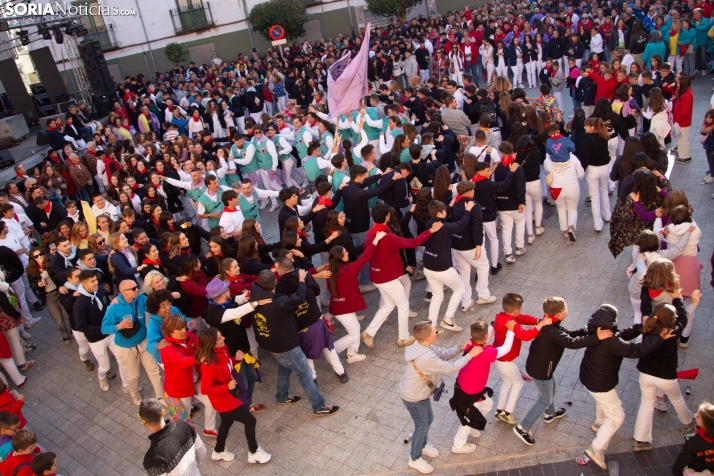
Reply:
x=12, y=264
x=253, y=100
x=437, y=251
x=471, y=236
x=287, y=212
x=530, y=163
x=236, y=105
x=514, y=195
x=662, y=363
x=547, y=348
x=592, y=150
x=601, y=363
x=234, y=332
x=481, y=107
x=578, y=49
x=556, y=48
x=696, y=454
x=275, y=325
x=42, y=222
x=354, y=198
x=396, y=196
x=253, y=266
x=585, y=91
x=308, y=312
x=485, y=194
x=320, y=219
x=88, y=317
x=58, y=265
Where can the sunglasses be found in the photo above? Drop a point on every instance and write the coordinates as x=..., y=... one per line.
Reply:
x=132, y=289
x=100, y=242
x=37, y=255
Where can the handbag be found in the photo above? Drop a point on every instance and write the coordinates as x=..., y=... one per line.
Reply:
x=136, y=325
x=436, y=392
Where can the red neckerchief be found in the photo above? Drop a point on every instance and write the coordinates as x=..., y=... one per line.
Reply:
x=171, y=108
x=229, y=209
x=303, y=234
x=196, y=119
x=19, y=175
x=654, y=293
x=235, y=279
x=185, y=251
x=703, y=434
x=507, y=160
x=381, y=227
x=477, y=178
x=137, y=246
x=135, y=187
x=155, y=221
x=153, y=263
x=16, y=218
x=161, y=172
x=172, y=228
x=552, y=318
x=461, y=197
x=324, y=201
x=313, y=124
x=556, y=136
x=91, y=152
x=48, y=207
x=284, y=126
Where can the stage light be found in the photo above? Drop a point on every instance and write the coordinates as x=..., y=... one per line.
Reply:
x=25, y=40
x=59, y=37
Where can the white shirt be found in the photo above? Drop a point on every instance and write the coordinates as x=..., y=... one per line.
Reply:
x=109, y=210
x=231, y=221
x=564, y=173
x=11, y=242
x=16, y=230
x=480, y=152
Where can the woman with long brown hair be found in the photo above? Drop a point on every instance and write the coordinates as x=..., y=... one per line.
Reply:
x=193, y=282
x=248, y=256
x=657, y=112
x=80, y=235
x=682, y=116
x=345, y=297
x=45, y=285
x=595, y=159
x=251, y=226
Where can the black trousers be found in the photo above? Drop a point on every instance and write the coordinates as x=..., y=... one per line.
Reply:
x=240, y=414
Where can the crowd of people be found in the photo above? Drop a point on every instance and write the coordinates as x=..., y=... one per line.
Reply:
x=142, y=238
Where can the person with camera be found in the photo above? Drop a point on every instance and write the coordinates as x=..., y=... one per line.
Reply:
x=126, y=319
x=425, y=363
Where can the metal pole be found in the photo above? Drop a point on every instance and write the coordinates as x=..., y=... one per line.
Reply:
x=148, y=43
x=147, y=64
x=245, y=12
x=349, y=12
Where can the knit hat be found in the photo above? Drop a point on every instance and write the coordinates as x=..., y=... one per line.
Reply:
x=215, y=288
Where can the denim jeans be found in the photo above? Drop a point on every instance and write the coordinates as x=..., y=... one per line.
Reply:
x=295, y=361
x=358, y=239
x=423, y=416
x=544, y=404
x=85, y=193
x=249, y=377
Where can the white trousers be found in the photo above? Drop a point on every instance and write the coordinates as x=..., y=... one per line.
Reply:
x=597, y=178
x=683, y=146
x=209, y=420
x=391, y=295
x=269, y=180
x=83, y=345
x=648, y=391
x=423, y=75
x=375, y=143
x=612, y=149
x=609, y=415
x=567, y=204
x=511, y=385
x=437, y=280
x=289, y=170
x=534, y=202
x=463, y=262
x=559, y=97
x=100, y=350
x=502, y=69
x=489, y=72
x=638, y=313
x=18, y=352
x=280, y=103
x=676, y=62
x=256, y=117
x=332, y=358
x=462, y=434
x=531, y=73
x=489, y=229
x=240, y=124
x=12, y=371
x=351, y=340
x=131, y=360
x=691, y=309
x=25, y=296
x=517, y=71
x=508, y=219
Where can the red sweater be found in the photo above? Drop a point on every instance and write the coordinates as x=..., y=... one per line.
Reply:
x=386, y=264
x=605, y=89
x=521, y=334
x=197, y=289
x=682, y=109
x=179, y=362
x=13, y=460
x=349, y=298
x=9, y=404
x=240, y=283
x=214, y=381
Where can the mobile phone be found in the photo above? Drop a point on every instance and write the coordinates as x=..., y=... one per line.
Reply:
x=53, y=246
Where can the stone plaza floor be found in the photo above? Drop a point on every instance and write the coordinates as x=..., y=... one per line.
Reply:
x=98, y=433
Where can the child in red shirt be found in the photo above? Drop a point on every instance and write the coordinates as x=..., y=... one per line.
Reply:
x=511, y=381
x=8, y=403
x=19, y=462
x=45, y=464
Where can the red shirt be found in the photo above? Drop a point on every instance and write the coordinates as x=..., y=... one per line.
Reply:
x=605, y=89
x=214, y=382
x=386, y=264
x=349, y=298
x=13, y=461
x=521, y=334
x=473, y=376
x=682, y=109
x=179, y=363
x=8, y=403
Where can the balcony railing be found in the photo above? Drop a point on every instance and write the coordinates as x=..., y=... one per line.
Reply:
x=193, y=17
x=104, y=35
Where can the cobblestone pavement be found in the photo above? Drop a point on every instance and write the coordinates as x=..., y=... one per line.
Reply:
x=98, y=433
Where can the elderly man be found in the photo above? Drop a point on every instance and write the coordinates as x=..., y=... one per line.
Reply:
x=126, y=319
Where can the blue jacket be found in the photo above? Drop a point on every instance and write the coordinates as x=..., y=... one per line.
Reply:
x=122, y=269
x=115, y=314
x=702, y=30
x=559, y=149
x=653, y=49
x=154, y=334
x=689, y=37
x=512, y=58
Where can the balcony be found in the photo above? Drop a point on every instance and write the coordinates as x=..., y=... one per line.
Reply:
x=104, y=35
x=193, y=17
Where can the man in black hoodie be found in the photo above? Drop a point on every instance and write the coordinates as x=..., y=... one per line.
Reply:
x=511, y=203
x=544, y=354
x=276, y=330
x=599, y=374
x=314, y=334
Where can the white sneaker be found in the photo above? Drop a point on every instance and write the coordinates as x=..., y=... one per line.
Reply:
x=468, y=307
x=420, y=465
x=224, y=455
x=273, y=206
x=475, y=433
x=510, y=259
x=660, y=405
x=531, y=239
x=32, y=322
x=367, y=288
x=263, y=204
x=351, y=359
x=450, y=326
x=520, y=251
x=709, y=179
x=539, y=230
x=103, y=384
x=25, y=335
x=260, y=456
x=413, y=314
x=466, y=449
x=489, y=300
x=430, y=451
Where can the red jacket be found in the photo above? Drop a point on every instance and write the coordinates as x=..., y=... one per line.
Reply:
x=71, y=189
x=349, y=298
x=214, y=382
x=179, y=362
x=386, y=264
x=521, y=334
x=9, y=404
x=240, y=283
x=682, y=109
x=605, y=89
x=13, y=460
x=197, y=289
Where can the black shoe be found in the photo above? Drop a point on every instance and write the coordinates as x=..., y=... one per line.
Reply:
x=110, y=375
x=571, y=236
x=195, y=411
x=38, y=307
x=559, y=413
x=327, y=410
x=494, y=271
x=290, y=400
x=427, y=297
x=344, y=378
x=525, y=436
x=683, y=342
x=684, y=161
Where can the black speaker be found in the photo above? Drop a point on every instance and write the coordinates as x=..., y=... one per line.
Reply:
x=96, y=67
x=38, y=88
x=42, y=139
